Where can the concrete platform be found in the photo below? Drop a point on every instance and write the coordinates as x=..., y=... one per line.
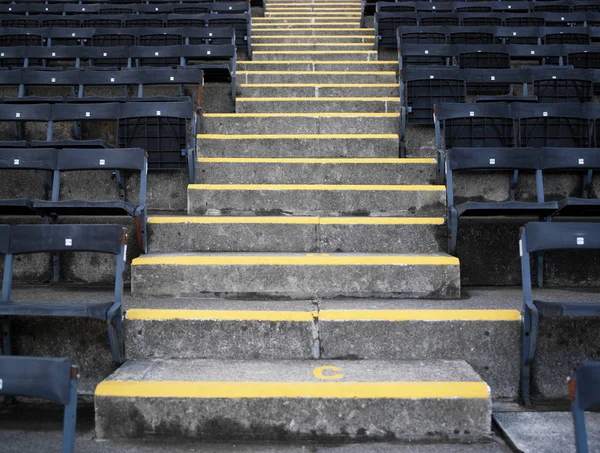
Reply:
x=313, y=46
x=311, y=55
x=296, y=234
x=299, y=145
x=433, y=400
x=316, y=77
x=300, y=123
x=344, y=170
x=297, y=65
x=313, y=31
x=316, y=199
x=309, y=38
x=317, y=105
x=296, y=275
x=303, y=90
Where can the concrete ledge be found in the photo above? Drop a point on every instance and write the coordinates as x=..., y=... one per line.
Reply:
x=294, y=65
x=327, y=55
x=317, y=105
x=315, y=77
x=315, y=90
x=284, y=400
x=313, y=199
x=296, y=276
x=296, y=234
x=313, y=31
x=341, y=39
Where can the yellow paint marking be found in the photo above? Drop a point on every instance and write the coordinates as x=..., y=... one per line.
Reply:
x=221, y=315
x=321, y=44
x=369, y=38
x=296, y=260
x=318, y=4
x=320, y=160
x=317, y=62
x=313, y=29
x=419, y=315
x=324, y=372
x=303, y=115
x=313, y=13
x=313, y=52
x=321, y=85
x=206, y=220
x=363, y=390
x=287, y=24
x=322, y=99
x=294, y=136
x=343, y=9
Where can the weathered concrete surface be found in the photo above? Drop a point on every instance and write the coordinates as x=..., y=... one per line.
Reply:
x=546, y=432
x=333, y=46
x=309, y=31
x=316, y=77
x=314, y=172
x=220, y=338
x=310, y=38
x=304, y=105
x=218, y=200
x=301, y=124
x=317, y=65
x=288, y=418
x=298, y=147
x=243, y=236
x=290, y=281
x=316, y=90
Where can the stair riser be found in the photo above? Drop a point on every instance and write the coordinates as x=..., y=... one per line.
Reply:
x=305, y=30
x=296, y=281
x=300, y=125
x=311, y=47
x=316, y=66
x=333, y=106
x=278, y=173
x=280, y=55
x=277, y=10
x=293, y=418
x=265, y=237
x=317, y=91
x=315, y=78
x=348, y=19
x=299, y=148
x=328, y=26
x=309, y=38
x=316, y=202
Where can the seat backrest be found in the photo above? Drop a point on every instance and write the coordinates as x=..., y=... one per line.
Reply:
x=66, y=238
x=492, y=159
x=544, y=236
x=587, y=385
x=28, y=158
x=101, y=159
x=77, y=112
x=25, y=112
x=569, y=158
x=4, y=238
x=36, y=377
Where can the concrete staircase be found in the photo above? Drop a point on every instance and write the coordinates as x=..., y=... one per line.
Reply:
x=301, y=200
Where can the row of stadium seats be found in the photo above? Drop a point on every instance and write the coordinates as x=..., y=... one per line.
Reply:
x=556, y=6
x=131, y=8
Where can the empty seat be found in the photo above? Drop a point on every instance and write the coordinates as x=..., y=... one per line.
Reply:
x=568, y=89
x=584, y=385
x=544, y=237
x=28, y=239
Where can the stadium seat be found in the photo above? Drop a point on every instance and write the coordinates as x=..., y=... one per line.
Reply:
x=510, y=160
x=546, y=237
x=28, y=239
x=584, y=392
x=46, y=378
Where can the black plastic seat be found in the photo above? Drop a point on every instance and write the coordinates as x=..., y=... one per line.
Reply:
x=19, y=206
x=506, y=208
x=85, y=208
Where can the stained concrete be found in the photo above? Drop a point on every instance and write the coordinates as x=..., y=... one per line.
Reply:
x=319, y=91
x=289, y=418
x=384, y=105
x=315, y=77
x=315, y=65
x=220, y=201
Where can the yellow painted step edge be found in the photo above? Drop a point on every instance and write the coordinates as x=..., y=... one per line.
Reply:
x=370, y=38
x=280, y=220
x=313, y=52
x=294, y=136
x=309, y=259
x=337, y=389
x=315, y=44
x=325, y=315
x=320, y=160
x=317, y=62
x=321, y=85
x=311, y=29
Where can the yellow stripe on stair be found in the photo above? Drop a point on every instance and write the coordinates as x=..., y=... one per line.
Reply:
x=320, y=85
x=319, y=44
x=309, y=259
x=331, y=389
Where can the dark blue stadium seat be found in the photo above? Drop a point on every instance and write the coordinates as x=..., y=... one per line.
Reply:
x=584, y=392
x=47, y=378
x=541, y=237
x=27, y=239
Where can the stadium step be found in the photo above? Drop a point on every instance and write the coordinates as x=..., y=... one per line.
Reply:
x=485, y=334
x=296, y=234
x=316, y=199
x=327, y=55
x=303, y=30
x=317, y=105
x=286, y=400
x=313, y=46
x=286, y=90
x=295, y=65
x=336, y=39
x=315, y=123
x=296, y=275
x=244, y=170
x=299, y=145
x=316, y=77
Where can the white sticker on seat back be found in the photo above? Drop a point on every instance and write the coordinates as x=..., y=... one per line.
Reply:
x=580, y=241
x=68, y=242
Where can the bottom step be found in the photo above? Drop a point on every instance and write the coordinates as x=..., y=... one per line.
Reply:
x=405, y=400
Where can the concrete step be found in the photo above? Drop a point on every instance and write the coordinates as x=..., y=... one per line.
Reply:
x=305, y=123
x=335, y=14
x=298, y=145
x=312, y=18
x=295, y=65
x=286, y=400
x=317, y=105
x=294, y=24
x=316, y=199
x=243, y=170
x=296, y=275
x=312, y=55
x=485, y=336
x=316, y=77
x=270, y=10
x=314, y=31
x=296, y=234
x=327, y=90
x=341, y=39
x=312, y=46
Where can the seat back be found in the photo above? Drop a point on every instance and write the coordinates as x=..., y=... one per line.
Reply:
x=545, y=236
x=4, y=238
x=28, y=158
x=585, y=386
